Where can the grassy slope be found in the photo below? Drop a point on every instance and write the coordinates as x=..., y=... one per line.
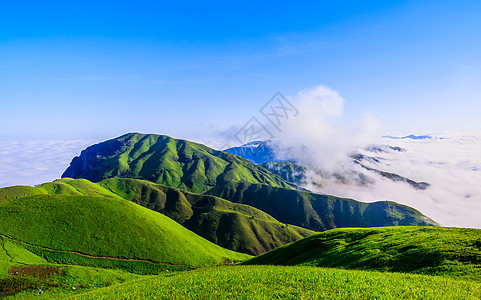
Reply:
x=250, y=230
x=454, y=252
x=66, y=186
x=234, y=226
x=14, y=255
x=276, y=282
x=320, y=212
x=164, y=160
x=108, y=227
x=60, y=287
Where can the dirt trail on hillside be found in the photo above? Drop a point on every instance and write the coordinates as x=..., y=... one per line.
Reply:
x=93, y=256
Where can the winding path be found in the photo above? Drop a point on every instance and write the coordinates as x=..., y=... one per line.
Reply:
x=93, y=256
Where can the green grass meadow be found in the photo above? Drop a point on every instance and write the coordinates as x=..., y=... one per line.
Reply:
x=14, y=255
x=284, y=282
x=454, y=252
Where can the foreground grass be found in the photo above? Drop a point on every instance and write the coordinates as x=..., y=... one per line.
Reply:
x=57, y=284
x=454, y=252
x=281, y=282
x=73, y=280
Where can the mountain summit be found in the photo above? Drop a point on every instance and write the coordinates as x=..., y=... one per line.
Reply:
x=165, y=160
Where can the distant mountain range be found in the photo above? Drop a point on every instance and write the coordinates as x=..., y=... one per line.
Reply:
x=257, y=152
x=273, y=157
x=411, y=136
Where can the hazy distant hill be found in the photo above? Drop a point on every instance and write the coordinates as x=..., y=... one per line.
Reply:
x=283, y=162
x=257, y=152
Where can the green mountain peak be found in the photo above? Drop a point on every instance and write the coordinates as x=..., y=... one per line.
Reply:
x=164, y=160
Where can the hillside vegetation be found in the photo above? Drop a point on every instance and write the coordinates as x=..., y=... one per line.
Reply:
x=320, y=212
x=233, y=226
x=454, y=252
x=154, y=205
x=23, y=273
x=278, y=282
x=165, y=160
x=60, y=227
x=80, y=187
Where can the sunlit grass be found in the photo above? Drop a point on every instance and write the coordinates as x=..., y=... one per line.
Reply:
x=280, y=282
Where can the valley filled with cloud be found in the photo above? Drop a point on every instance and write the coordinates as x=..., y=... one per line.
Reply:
x=36, y=162
x=450, y=163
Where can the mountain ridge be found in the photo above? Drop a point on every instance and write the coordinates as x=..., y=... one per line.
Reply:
x=321, y=212
x=165, y=160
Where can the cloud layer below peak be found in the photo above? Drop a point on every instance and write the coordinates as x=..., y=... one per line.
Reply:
x=30, y=163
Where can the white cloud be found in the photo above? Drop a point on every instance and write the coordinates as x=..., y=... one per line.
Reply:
x=323, y=100
x=30, y=163
x=451, y=165
x=320, y=128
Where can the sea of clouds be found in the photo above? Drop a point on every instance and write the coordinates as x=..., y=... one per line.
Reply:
x=450, y=163
x=36, y=162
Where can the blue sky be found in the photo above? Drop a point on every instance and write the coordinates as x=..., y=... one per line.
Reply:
x=92, y=71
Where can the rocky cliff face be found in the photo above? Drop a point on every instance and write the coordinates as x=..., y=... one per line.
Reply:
x=257, y=152
x=83, y=166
